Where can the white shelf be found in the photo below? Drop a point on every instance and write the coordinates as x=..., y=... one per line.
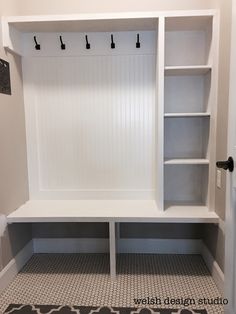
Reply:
x=110, y=21
x=186, y=161
x=186, y=114
x=187, y=70
x=107, y=211
x=85, y=22
x=199, y=213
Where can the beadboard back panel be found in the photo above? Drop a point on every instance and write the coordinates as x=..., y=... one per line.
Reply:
x=91, y=126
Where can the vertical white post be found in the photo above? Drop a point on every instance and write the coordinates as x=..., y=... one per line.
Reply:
x=117, y=231
x=213, y=99
x=160, y=73
x=112, y=241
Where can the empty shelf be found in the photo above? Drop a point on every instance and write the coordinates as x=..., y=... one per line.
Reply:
x=186, y=161
x=187, y=70
x=186, y=114
x=106, y=211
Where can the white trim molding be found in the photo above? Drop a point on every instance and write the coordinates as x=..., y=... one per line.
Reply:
x=15, y=265
x=214, y=268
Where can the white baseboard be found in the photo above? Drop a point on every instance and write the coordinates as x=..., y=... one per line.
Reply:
x=88, y=245
x=214, y=268
x=14, y=266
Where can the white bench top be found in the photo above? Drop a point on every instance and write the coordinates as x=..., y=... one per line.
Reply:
x=108, y=210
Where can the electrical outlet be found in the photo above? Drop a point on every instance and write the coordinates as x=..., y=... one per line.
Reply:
x=218, y=179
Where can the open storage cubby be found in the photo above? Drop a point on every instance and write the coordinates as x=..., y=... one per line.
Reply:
x=186, y=137
x=186, y=185
x=187, y=94
x=188, y=41
x=92, y=108
x=120, y=114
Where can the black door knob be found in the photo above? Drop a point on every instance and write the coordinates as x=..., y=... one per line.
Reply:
x=226, y=165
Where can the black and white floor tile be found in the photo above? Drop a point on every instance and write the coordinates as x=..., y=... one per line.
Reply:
x=72, y=281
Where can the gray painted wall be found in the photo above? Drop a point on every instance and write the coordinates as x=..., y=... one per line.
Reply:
x=127, y=230
x=13, y=165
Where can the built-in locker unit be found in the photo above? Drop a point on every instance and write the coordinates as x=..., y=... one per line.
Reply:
x=120, y=116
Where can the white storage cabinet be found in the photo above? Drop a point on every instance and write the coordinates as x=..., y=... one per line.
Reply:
x=124, y=134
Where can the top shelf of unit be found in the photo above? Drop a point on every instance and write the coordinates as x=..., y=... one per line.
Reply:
x=123, y=21
x=14, y=26
x=189, y=23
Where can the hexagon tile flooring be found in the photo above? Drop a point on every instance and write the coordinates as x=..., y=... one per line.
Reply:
x=163, y=281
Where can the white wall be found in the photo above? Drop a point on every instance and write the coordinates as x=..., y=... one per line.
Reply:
x=25, y=7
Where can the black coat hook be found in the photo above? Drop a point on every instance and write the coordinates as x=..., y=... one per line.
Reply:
x=112, y=43
x=138, y=42
x=87, y=43
x=37, y=45
x=63, y=46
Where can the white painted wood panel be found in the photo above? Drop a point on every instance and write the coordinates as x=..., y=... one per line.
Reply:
x=87, y=23
x=109, y=210
x=160, y=64
x=187, y=114
x=212, y=82
x=93, y=124
x=125, y=21
x=187, y=19
x=112, y=249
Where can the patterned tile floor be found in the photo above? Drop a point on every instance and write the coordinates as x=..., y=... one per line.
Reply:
x=83, y=279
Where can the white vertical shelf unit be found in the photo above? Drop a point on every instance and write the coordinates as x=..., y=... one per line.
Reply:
x=191, y=54
x=119, y=135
